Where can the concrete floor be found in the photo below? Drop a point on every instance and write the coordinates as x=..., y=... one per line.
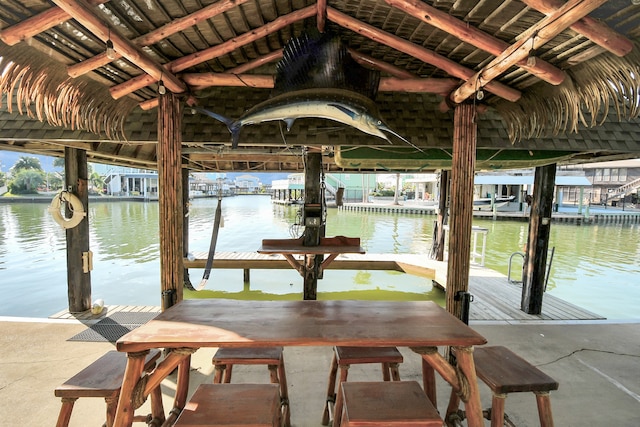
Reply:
x=596, y=364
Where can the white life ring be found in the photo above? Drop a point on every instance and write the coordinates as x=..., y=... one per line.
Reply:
x=75, y=205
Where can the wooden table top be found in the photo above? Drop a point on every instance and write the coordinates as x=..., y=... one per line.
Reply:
x=233, y=323
x=328, y=245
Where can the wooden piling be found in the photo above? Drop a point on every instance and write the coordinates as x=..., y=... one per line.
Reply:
x=170, y=199
x=312, y=208
x=461, y=214
x=534, y=272
x=78, y=280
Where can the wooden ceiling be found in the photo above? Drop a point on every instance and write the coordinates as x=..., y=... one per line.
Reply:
x=519, y=61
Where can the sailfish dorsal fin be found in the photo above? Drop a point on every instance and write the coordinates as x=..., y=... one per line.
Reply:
x=320, y=60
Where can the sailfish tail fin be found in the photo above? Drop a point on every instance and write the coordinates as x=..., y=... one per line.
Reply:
x=232, y=125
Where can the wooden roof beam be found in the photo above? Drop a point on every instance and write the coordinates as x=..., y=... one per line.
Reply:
x=82, y=12
x=157, y=35
x=264, y=59
x=368, y=61
x=276, y=54
x=180, y=64
x=322, y=15
x=533, y=38
x=38, y=23
x=473, y=36
x=596, y=31
x=452, y=68
x=365, y=60
x=388, y=84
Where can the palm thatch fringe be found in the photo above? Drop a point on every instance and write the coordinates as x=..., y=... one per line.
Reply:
x=40, y=88
x=586, y=96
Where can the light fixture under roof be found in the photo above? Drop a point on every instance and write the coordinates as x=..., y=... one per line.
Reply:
x=110, y=51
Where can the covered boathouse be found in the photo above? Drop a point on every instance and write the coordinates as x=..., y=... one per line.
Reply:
x=465, y=86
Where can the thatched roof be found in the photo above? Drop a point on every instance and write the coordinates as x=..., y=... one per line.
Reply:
x=579, y=100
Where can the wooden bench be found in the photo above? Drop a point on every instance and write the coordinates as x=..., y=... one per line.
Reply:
x=103, y=378
x=254, y=405
x=505, y=372
x=389, y=404
x=273, y=357
x=343, y=358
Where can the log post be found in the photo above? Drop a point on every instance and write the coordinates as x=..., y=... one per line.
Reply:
x=185, y=224
x=534, y=272
x=78, y=280
x=312, y=212
x=461, y=214
x=443, y=214
x=170, y=199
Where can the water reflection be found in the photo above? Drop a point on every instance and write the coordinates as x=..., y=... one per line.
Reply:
x=595, y=267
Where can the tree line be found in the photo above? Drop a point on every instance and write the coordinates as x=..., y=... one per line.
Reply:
x=26, y=176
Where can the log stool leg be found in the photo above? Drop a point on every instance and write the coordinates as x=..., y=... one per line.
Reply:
x=544, y=408
x=497, y=409
x=429, y=382
x=331, y=390
x=65, y=411
x=218, y=373
x=337, y=409
x=112, y=404
x=281, y=378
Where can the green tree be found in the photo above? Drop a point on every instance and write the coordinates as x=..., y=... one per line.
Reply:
x=54, y=180
x=26, y=163
x=58, y=162
x=96, y=181
x=26, y=181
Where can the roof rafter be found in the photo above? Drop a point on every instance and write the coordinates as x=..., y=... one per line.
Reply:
x=473, y=36
x=452, y=68
x=533, y=38
x=196, y=58
x=594, y=30
x=82, y=12
x=38, y=23
x=159, y=34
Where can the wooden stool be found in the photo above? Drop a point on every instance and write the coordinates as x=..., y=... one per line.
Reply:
x=389, y=404
x=225, y=358
x=254, y=405
x=103, y=378
x=343, y=357
x=505, y=372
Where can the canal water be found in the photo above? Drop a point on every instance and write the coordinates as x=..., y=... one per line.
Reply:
x=596, y=267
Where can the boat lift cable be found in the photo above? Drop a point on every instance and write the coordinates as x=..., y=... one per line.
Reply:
x=212, y=245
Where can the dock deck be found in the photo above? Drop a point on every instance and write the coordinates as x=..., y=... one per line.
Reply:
x=494, y=297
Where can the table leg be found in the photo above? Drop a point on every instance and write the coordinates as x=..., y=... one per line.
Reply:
x=180, y=358
x=467, y=369
x=132, y=373
x=429, y=382
x=463, y=380
x=183, y=383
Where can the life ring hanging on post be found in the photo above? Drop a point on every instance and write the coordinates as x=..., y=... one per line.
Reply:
x=75, y=206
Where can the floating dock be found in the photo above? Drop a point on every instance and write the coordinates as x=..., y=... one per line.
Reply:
x=494, y=297
x=599, y=217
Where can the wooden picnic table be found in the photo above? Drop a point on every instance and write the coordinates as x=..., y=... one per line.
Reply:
x=191, y=324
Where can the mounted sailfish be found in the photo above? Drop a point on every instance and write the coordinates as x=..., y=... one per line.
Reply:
x=317, y=78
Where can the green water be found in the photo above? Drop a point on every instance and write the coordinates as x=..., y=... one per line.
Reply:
x=595, y=267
